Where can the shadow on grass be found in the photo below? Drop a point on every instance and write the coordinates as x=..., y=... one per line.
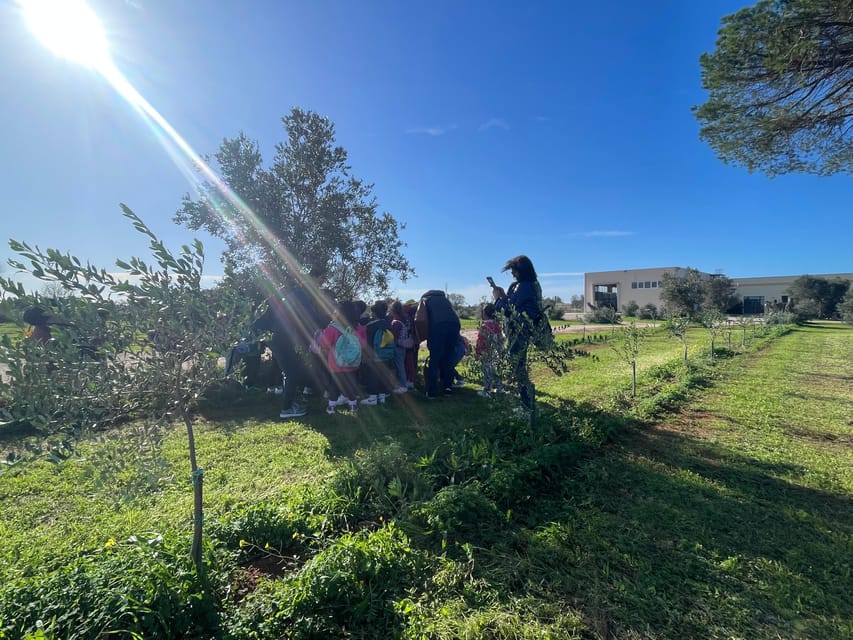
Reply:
x=675, y=538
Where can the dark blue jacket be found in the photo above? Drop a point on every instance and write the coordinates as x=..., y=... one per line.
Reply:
x=439, y=308
x=523, y=297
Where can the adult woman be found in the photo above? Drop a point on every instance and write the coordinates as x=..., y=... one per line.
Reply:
x=522, y=304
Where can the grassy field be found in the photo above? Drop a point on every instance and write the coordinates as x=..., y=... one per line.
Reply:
x=731, y=518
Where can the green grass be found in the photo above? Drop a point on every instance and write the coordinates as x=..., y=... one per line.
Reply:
x=728, y=519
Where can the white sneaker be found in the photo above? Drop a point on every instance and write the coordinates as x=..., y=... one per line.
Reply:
x=382, y=397
x=353, y=406
x=400, y=389
x=342, y=399
x=294, y=411
x=483, y=393
x=307, y=391
x=370, y=401
x=330, y=408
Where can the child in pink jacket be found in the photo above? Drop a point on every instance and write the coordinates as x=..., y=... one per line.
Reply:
x=343, y=380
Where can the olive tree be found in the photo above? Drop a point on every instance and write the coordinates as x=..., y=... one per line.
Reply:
x=627, y=345
x=155, y=356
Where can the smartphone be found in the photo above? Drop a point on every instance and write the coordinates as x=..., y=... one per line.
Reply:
x=491, y=281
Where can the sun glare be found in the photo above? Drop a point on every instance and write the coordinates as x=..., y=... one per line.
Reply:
x=70, y=29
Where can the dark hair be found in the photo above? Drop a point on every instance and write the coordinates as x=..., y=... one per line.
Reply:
x=379, y=309
x=524, y=267
x=350, y=312
x=397, y=309
x=489, y=311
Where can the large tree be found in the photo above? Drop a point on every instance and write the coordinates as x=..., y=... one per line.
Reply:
x=682, y=292
x=816, y=297
x=306, y=210
x=719, y=294
x=780, y=85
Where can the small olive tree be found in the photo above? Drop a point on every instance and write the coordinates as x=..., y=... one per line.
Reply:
x=155, y=357
x=677, y=327
x=714, y=322
x=627, y=345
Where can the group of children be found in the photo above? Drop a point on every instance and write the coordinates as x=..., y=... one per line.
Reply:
x=377, y=355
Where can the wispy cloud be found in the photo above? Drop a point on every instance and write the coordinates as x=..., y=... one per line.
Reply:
x=430, y=131
x=542, y=118
x=601, y=234
x=494, y=123
x=561, y=274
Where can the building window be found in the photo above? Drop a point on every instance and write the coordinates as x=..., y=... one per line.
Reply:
x=648, y=284
x=633, y=285
x=654, y=284
x=660, y=283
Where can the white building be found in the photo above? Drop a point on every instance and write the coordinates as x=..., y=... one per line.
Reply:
x=617, y=288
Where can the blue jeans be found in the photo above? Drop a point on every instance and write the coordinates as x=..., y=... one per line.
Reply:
x=400, y=364
x=442, y=352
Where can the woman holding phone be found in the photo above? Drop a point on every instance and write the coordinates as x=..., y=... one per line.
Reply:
x=522, y=305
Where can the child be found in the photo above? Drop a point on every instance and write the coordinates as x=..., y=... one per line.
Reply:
x=343, y=375
x=379, y=356
x=405, y=341
x=488, y=349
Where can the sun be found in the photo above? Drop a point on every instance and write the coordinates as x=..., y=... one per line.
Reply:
x=70, y=29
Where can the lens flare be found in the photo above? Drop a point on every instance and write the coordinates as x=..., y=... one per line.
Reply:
x=70, y=29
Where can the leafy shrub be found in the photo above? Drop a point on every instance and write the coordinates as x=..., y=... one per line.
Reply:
x=780, y=317
x=347, y=590
x=630, y=308
x=133, y=589
x=460, y=513
x=649, y=312
x=378, y=481
x=606, y=315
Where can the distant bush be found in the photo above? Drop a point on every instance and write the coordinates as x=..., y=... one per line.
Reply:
x=606, y=315
x=649, y=312
x=630, y=308
x=780, y=317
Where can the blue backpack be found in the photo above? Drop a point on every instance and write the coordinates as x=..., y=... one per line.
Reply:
x=384, y=345
x=347, y=351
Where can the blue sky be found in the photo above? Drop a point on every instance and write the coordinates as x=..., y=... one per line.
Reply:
x=561, y=130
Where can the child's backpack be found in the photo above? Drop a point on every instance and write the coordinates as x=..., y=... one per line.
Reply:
x=347, y=351
x=406, y=338
x=463, y=348
x=384, y=347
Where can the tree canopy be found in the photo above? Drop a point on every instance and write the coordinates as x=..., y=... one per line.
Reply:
x=682, y=293
x=780, y=87
x=816, y=297
x=305, y=211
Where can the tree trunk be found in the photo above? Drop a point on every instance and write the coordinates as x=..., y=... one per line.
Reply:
x=198, y=485
x=685, y=354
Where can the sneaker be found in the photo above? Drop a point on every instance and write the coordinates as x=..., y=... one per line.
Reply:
x=342, y=399
x=353, y=406
x=330, y=408
x=430, y=397
x=307, y=391
x=448, y=390
x=399, y=389
x=382, y=398
x=294, y=411
x=459, y=383
x=483, y=393
x=276, y=390
x=370, y=400
x=410, y=385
